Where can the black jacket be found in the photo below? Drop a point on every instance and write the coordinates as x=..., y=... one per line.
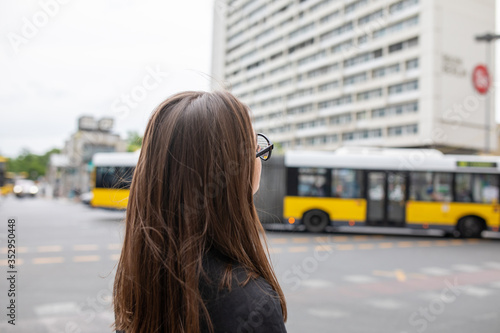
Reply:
x=253, y=308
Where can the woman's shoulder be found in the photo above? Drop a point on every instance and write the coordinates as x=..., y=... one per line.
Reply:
x=252, y=307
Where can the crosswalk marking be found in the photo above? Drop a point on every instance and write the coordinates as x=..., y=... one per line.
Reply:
x=436, y=271
x=300, y=240
x=359, y=278
x=366, y=246
x=49, y=248
x=6, y=263
x=405, y=244
x=476, y=291
x=344, y=247
x=386, y=304
x=275, y=250
x=115, y=257
x=85, y=247
x=20, y=249
x=279, y=240
x=492, y=264
x=328, y=248
x=86, y=258
x=424, y=243
x=296, y=249
x=48, y=260
x=466, y=268
x=385, y=245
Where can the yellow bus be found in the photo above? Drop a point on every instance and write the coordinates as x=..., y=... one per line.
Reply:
x=110, y=179
x=415, y=190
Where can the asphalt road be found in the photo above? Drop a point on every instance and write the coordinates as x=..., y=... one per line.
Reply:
x=67, y=252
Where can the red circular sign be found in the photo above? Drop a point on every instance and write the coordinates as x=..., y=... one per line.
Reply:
x=481, y=79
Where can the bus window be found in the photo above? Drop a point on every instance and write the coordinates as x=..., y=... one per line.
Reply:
x=463, y=187
x=485, y=188
x=430, y=186
x=346, y=183
x=312, y=182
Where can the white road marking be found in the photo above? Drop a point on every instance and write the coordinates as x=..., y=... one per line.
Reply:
x=51, y=309
x=467, y=268
x=86, y=258
x=359, y=279
x=48, y=260
x=86, y=247
x=492, y=264
x=437, y=271
x=316, y=283
x=49, y=248
x=5, y=262
x=429, y=296
x=386, y=304
x=328, y=313
x=476, y=291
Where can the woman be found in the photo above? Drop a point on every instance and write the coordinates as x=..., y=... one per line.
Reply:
x=192, y=258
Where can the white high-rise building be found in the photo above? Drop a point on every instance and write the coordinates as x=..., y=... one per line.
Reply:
x=327, y=73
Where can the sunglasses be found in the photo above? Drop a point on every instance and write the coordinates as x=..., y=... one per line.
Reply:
x=264, y=147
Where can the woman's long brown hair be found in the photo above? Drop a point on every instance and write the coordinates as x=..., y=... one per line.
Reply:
x=191, y=191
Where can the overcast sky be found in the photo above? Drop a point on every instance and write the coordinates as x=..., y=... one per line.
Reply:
x=87, y=55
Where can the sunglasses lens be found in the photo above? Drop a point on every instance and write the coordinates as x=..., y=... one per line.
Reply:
x=262, y=144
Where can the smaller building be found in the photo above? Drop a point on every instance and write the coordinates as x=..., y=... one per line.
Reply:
x=69, y=172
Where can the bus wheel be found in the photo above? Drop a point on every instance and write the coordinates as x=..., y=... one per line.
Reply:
x=471, y=227
x=316, y=220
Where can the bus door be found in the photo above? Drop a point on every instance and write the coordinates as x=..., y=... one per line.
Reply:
x=386, y=198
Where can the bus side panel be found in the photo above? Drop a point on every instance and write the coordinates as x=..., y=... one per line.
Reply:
x=110, y=198
x=338, y=209
x=448, y=213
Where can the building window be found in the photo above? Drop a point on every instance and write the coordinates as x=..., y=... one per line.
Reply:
x=361, y=115
x=328, y=86
x=401, y=5
x=355, y=5
x=329, y=17
x=393, y=110
x=402, y=130
x=371, y=17
x=403, y=45
x=322, y=70
x=342, y=46
x=353, y=79
x=337, y=31
x=370, y=94
x=395, y=27
x=412, y=64
x=300, y=109
x=300, y=93
x=362, y=58
x=312, y=57
x=341, y=119
x=301, y=30
x=403, y=87
x=335, y=102
x=383, y=71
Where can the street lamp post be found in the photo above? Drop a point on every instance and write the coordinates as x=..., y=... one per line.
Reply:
x=488, y=38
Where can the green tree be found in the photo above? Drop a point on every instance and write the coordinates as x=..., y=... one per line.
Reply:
x=34, y=165
x=134, y=141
